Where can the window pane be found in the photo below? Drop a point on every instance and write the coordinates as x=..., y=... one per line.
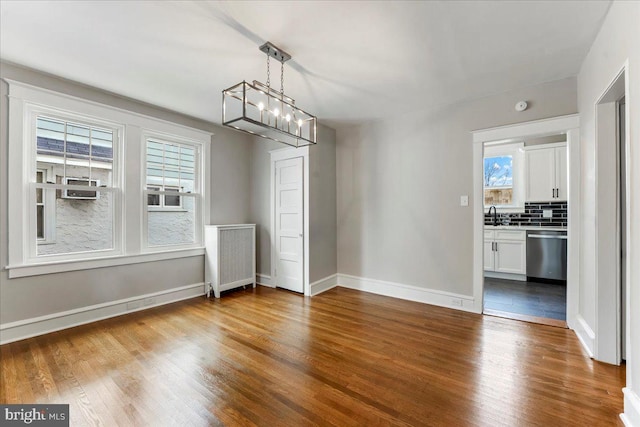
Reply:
x=74, y=150
x=81, y=225
x=40, y=222
x=498, y=171
x=153, y=199
x=171, y=200
x=498, y=196
x=173, y=227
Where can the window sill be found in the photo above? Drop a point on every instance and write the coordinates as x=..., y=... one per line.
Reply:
x=166, y=210
x=87, y=264
x=507, y=209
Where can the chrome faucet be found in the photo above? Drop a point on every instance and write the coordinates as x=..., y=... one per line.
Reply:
x=495, y=215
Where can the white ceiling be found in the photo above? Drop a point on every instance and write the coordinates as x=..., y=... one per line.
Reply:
x=352, y=61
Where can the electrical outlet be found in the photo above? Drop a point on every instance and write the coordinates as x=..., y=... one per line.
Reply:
x=547, y=213
x=456, y=301
x=464, y=200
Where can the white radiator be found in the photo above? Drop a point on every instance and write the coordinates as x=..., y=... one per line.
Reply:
x=230, y=259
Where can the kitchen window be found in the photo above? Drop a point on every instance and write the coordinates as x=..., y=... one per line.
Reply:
x=498, y=180
x=503, y=176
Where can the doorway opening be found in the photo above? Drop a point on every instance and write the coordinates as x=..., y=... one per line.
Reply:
x=552, y=142
x=525, y=198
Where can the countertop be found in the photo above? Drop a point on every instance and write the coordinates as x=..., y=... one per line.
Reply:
x=524, y=228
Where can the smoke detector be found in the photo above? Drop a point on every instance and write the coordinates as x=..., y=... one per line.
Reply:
x=521, y=106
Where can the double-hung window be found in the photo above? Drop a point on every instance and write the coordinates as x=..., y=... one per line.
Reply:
x=78, y=154
x=172, y=191
x=66, y=154
x=70, y=206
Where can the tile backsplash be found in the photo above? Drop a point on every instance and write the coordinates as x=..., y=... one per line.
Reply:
x=532, y=215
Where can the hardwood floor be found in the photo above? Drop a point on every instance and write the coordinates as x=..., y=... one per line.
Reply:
x=268, y=357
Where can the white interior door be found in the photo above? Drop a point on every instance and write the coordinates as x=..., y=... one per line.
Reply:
x=289, y=224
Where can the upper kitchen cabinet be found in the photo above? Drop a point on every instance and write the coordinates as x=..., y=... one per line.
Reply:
x=546, y=173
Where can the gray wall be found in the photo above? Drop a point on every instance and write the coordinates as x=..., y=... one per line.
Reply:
x=617, y=42
x=40, y=295
x=230, y=176
x=260, y=201
x=400, y=180
x=322, y=203
x=322, y=206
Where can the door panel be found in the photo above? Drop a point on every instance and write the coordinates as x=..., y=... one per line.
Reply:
x=289, y=224
x=488, y=255
x=541, y=179
x=511, y=257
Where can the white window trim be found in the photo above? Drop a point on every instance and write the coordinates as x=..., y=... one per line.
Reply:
x=49, y=201
x=25, y=156
x=26, y=270
x=24, y=99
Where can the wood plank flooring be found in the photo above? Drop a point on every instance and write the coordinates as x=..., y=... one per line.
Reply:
x=272, y=358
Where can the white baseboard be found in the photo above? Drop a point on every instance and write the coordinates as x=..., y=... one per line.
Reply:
x=22, y=329
x=323, y=285
x=265, y=280
x=631, y=415
x=508, y=276
x=585, y=334
x=408, y=292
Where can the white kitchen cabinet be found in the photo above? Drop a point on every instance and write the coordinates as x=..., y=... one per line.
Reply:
x=489, y=255
x=505, y=251
x=546, y=173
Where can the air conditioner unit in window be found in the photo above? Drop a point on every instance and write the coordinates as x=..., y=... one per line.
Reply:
x=81, y=194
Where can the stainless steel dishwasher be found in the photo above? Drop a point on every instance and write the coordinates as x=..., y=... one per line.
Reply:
x=547, y=254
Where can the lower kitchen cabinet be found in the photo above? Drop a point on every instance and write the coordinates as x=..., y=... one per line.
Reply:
x=505, y=251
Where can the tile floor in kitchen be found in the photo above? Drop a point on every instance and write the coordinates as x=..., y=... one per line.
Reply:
x=527, y=298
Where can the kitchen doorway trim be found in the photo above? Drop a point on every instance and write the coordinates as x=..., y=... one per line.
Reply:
x=570, y=125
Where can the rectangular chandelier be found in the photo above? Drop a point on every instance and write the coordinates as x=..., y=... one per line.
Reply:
x=260, y=110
